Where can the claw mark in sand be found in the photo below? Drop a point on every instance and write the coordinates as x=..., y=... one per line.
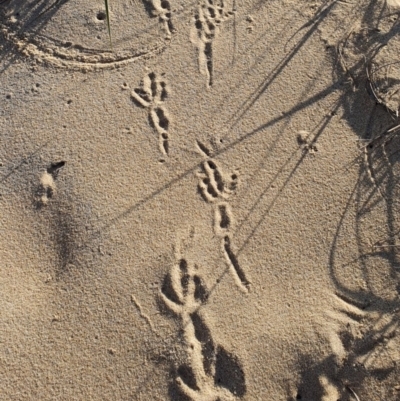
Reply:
x=211, y=373
x=151, y=96
x=209, y=16
x=144, y=316
x=216, y=187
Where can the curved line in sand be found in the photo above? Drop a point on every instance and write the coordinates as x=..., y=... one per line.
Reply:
x=78, y=57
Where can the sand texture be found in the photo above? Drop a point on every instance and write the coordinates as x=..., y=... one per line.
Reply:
x=206, y=211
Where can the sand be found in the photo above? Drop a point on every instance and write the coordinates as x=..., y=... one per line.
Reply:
x=208, y=210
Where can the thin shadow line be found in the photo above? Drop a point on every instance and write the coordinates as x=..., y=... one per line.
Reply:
x=270, y=206
x=247, y=104
x=272, y=122
x=23, y=161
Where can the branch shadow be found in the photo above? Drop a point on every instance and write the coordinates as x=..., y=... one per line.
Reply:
x=30, y=16
x=278, y=69
x=374, y=285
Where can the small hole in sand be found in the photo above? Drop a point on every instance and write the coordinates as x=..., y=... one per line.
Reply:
x=69, y=101
x=101, y=16
x=165, y=4
x=8, y=96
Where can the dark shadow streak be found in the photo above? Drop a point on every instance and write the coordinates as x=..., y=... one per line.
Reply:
x=308, y=23
x=23, y=161
x=271, y=147
x=9, y=51
x=274, y=121
x=267, y=188
x=278, y=69
x=268, y=209
x=334, y=245
x=234, y=33
x=373, y=304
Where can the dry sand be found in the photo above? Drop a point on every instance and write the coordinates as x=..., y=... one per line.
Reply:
x=207, y=212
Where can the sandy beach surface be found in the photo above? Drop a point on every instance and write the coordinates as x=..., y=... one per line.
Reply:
x=208, y=209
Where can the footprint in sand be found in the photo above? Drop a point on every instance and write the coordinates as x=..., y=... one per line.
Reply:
x=207, y=19
x=162, y=10
x=47, y=185
x=215, y=187
x=211, y=373
x=151, y=96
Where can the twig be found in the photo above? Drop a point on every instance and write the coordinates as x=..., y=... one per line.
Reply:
x=108, y=20
x=353, y=393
